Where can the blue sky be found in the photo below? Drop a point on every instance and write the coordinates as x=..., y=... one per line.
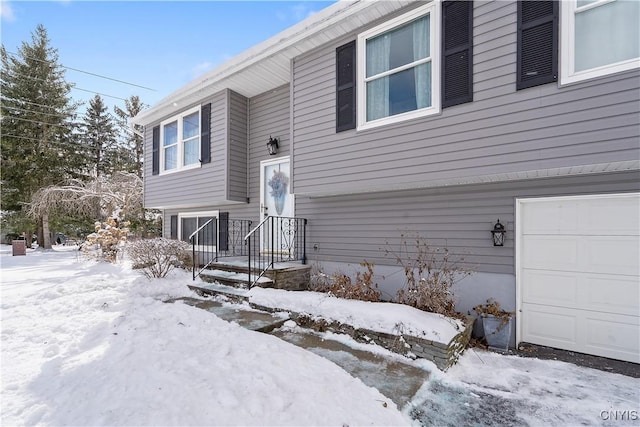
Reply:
x=158, y=44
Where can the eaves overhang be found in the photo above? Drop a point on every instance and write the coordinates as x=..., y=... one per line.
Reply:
x=267, y=65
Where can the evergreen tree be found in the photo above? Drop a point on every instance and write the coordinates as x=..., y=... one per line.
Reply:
x=37, y=140
x=133, y=142
x=99, y=136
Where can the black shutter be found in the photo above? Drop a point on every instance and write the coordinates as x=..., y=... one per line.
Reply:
x=346, y=87
x=537, y=43
x=174, y=226
x=457, y=52
x=205, y=133
x=155, y=159
x=223, y=231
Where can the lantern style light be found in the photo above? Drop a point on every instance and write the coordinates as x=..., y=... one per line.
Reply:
x=273, y=146
x=498, y=234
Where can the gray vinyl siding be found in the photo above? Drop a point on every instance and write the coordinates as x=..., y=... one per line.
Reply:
x=268, y=116
x=501, y=131
x=353, y=228
x=237, y=167
x=224, y=179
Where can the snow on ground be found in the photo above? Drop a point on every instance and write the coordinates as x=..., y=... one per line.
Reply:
x=377, y=316
x=491, y=389
x=86, y=343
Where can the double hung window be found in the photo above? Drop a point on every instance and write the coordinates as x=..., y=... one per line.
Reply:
x=181, y=141
x=398, y=68
x=189, y=223
x=599, y=37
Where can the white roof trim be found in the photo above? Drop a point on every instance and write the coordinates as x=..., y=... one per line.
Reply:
x=279, y=49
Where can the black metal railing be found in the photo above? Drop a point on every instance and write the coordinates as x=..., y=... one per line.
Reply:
x=275, y=239
x=218, y=238
x=203, y=246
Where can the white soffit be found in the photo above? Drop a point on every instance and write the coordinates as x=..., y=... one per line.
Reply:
x=267, y=65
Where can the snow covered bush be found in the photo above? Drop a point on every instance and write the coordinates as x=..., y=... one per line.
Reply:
x=341, y=286
x=430, y=275
x=157, y=257
x=107, y=239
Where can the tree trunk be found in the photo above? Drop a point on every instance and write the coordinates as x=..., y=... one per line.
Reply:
x=27, y=238
x=46, y=234
x=39, y=233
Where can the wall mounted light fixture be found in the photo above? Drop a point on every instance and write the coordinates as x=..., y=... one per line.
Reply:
x=498, y=234
x=273, y=146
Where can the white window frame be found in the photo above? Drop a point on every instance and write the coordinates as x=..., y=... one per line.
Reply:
x=196, y=215
x=179, y=118
x=567, y=43
x=432, y=9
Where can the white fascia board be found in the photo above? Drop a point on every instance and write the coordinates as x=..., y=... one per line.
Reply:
x=278, y=44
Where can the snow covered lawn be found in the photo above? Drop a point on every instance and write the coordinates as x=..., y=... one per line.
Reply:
x=85, y=343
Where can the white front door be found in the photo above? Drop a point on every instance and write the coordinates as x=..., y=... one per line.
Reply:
x=275, y=192
x=579, y=274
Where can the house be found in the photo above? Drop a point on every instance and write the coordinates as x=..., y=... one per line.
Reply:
x=437, y=118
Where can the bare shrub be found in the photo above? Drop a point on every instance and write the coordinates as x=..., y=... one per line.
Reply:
x=430, y=274
x=341, y=286
x=157, y=257
x=108, y=239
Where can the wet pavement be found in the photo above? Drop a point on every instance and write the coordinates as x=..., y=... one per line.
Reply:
x=396, y=380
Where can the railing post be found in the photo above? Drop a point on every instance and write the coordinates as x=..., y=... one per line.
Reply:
x=193, y=258
x=249, y=259
x=272, y=242
x=304, y=241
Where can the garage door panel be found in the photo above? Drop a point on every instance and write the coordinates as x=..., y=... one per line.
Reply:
x=619, y=218
x=613, y=255
x=550, y=288
x=603, y=334
x=620, y=294
x=579, y=274
x=550, y=218
x=613, y=334
x=553, y=326
x=582, y=291
x=550, y=252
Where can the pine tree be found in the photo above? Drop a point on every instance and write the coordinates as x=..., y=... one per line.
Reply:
x=133, y=142
x=37, y=139
x=99, y=136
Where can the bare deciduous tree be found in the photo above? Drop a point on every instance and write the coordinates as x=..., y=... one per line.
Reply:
x=118, y=196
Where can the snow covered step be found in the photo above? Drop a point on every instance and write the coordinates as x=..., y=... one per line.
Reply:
x=232, y=278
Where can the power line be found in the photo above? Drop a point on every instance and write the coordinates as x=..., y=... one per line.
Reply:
x=85, y=72
x=26, y=102
x=73, y=86
x=97, y=93
x=35, y=112
x=41, y=122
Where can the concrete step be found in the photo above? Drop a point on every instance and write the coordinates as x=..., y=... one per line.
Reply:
x=232, y=278
x=243, y=315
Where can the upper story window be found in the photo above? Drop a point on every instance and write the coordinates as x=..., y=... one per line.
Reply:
x=599, y=37
x=398, y=68
x=181, y=141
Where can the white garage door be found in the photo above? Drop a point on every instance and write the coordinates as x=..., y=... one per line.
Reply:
x=579, y=274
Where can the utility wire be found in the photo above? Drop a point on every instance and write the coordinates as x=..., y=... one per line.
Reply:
x=35, y=112
x=82, y=71
x=26, y=102
x=73, y=86
x=97, y=93
x=42, y=123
